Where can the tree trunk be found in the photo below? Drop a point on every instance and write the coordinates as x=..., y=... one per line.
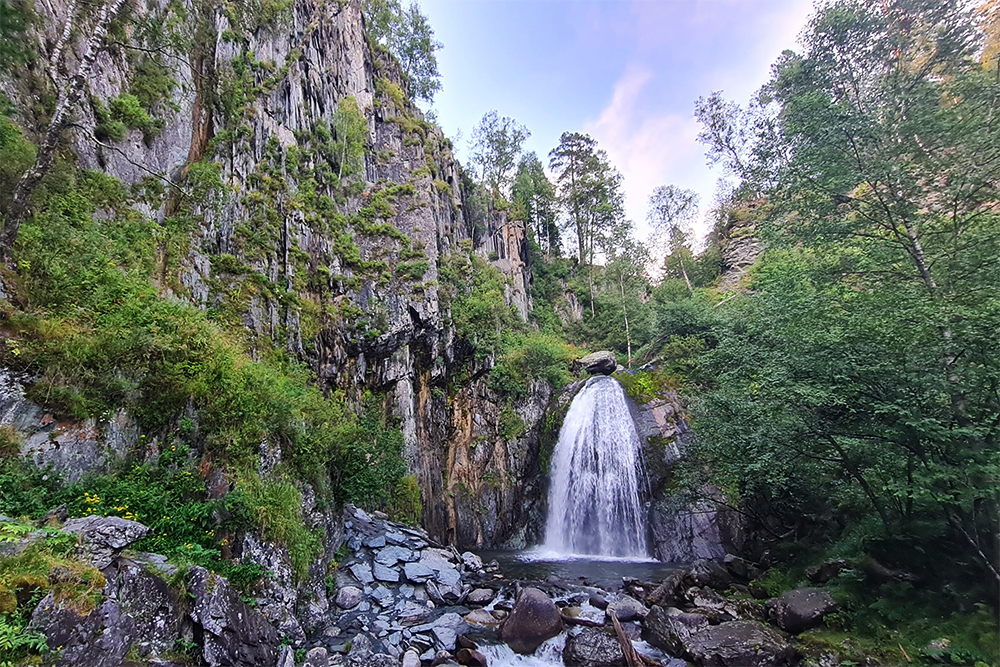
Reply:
x=628, y=335
x=69, y=97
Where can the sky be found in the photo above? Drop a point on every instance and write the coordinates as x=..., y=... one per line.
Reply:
x=627, y=72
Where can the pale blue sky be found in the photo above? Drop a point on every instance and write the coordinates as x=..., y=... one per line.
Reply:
x=625, y=71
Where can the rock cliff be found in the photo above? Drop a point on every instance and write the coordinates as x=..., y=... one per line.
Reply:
x=273, y=228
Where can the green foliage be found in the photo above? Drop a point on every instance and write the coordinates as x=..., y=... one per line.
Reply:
x=407, y=35
x=16, y=155
x=395, y=93
x=512, y=426
x=412, y=270
x=531, y=356
x=479, y=311
x=495, y=146
x=352, y=132
x=275, y=506
x=406, y=503
x=370, y=464
x=123, y=113
x=645, y=386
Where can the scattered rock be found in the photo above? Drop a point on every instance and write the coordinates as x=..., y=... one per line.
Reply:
x=593, y=648
x=801, y=609
x=362, y=572
x=472, y=562
x=743, y=643
x=411, y=658
x=626, y=609
x=480, y=618
x=533, y=619
x=711, y=574
x=598, y=363
x=418, y=573
x=577, y=616
x=317, y=657
x=598, y=601
x=349, y=597
x=383, y=573
x=480, y=596
x=102, y=538
x=668, y=628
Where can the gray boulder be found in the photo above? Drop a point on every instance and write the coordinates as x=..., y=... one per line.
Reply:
x=712, y=574
x=593, y=648
x=472, y=562
x=533, y=619
x=598, y=363
x=626, y=609
x=235, y=634
x=480, y=596
x=98, y=639
x=739, y=644
x=102, y=538
x=801, y=609
x=668, y=628
x=349, y=597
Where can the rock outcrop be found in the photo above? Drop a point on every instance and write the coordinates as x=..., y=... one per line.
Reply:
x=598, y=363
x=801, y=609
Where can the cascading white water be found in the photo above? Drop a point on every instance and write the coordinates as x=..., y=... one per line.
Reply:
x=594, y=506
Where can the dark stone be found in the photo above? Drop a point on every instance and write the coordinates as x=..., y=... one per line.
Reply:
x=824, y=572
x=102, y=538
x=670, y=593
x=598, y=601
x=627, y=609
x=593, y=648
x=598, y=363
x=99, y=639
x=739, y=644
x=668, y=627
x=471, y=658
x=801, y=609
x=711, y=574
x=234, y=633
x=533, y=619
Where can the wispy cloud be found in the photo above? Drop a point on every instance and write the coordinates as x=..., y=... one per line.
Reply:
x=649, y=148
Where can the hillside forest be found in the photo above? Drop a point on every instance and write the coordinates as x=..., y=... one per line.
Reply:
x=239, y=299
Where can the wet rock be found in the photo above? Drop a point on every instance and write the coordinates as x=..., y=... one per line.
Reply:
x=577, y=616
x=102, y=538
x=472, y=562
x=626, y=608
x=598, y=363
x=593, y=648
x=668, y=628
x=739, y=643
x=801, y=609
x=234, y=634
x=598, y=601
x=349, y=597
x=480, y=596
x=480, y=618
x=533, y=619
x=471, y=658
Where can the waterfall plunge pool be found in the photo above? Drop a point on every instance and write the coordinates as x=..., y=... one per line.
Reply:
x=605, y=573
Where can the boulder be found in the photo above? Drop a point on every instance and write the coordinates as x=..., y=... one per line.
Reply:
x=598, y=363
x=824, y=572
x=472, y=562
x=349, y=597
x=98, y=639
x=711, y=574
x=739, y=644
x=668, y=628
x=480, y=596
x=471, y=658
x=234, y=633
x=801, y=609
x=533, y=619
x=593, y=648
x=626, y=608
x=317, y=657
x=411, y=658
x=480, y=618
x=102, y=538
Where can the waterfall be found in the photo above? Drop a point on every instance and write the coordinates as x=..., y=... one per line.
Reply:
x=594, y=506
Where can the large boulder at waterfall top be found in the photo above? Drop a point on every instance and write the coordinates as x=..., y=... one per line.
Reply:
x=598, y=363
x=593, y=648
x=801, y=609
x=533, y=619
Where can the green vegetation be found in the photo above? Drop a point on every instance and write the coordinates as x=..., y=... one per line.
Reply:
x=407, y=35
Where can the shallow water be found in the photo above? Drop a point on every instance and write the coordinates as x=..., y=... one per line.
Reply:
x=604, y=573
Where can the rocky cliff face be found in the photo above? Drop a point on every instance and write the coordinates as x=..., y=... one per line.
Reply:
x=336, y=261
